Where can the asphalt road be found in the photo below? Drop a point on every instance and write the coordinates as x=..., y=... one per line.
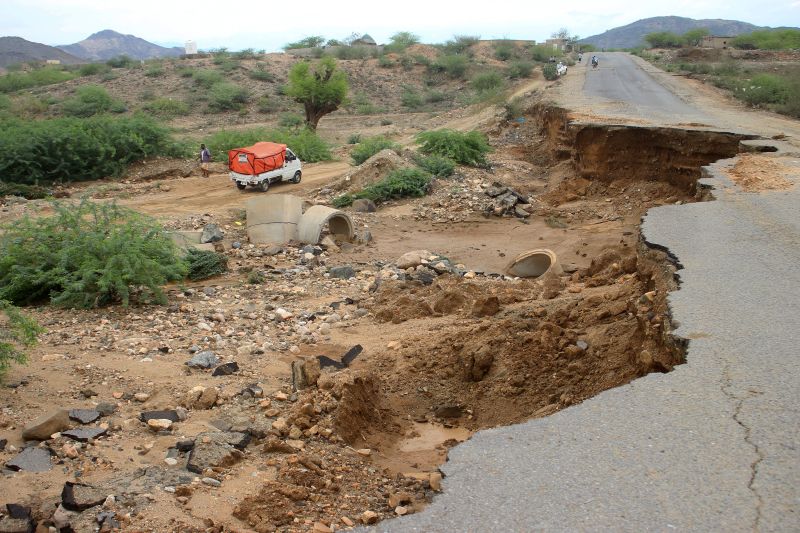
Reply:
x=713, y=445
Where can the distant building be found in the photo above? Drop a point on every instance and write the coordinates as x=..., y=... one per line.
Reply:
x=53, y=61
x=558, y=44
x=716, y=41
x=191, y=48
x=364, y=40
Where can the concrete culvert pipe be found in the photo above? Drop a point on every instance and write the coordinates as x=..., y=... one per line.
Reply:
x=534, y=263
x=314, y=219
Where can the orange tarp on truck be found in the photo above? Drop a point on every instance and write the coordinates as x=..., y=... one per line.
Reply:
x=257, y=159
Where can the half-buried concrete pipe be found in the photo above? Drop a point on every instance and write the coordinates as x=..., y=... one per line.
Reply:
x=534, y=263
x=273, y=218
x=309, y=229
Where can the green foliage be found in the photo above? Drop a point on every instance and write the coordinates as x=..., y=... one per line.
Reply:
x=90, y=100
x=205, y=264
x=464, y=148
x=303, y=142
x=255, y=277
x=226, y=96
x=765, y=89
x=17, y=331
x=247, y=53
x=307, y=42
x=434, y=97
x=68, y=149
x=784, y=39
x=321, y=88
x=454, y=65
x=549, y=72
x=363, y=105
x=154, y=70
x=460, y=44
x=695, y=36
x=371, y=146
x=87, y=255
x=16, y=81
x=261, y=73
x=436, y=165
x=487, y=81
x=185, y=71
x=543, y=53
x=504, y=50
x=385, y=62
x=31, y=192
x=410, y=98
x=90, y=69
x=663, y=39
x=400, y=41
x=400, y=183
x=27, y=106
x=167, y=107
x=122, y=61
x=207, y=78
x=520, y=69
x=265, y=104
x=353, y=52
x=354, y=138
x=514, y=108
x=290, y=120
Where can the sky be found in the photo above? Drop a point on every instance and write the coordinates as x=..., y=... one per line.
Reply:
x=239, y=24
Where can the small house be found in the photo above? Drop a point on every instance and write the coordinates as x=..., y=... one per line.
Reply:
x=364, y=40
x=716, y=41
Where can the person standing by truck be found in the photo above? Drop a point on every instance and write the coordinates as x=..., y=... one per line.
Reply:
x=205, y=159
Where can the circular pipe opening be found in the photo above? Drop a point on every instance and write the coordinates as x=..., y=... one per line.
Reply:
x=534, y=264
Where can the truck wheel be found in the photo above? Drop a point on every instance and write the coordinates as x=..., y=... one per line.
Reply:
x=241, y=186
x=297, y=176
x=264, y=185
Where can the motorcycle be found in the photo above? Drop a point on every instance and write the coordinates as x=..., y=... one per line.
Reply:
x=594, y=62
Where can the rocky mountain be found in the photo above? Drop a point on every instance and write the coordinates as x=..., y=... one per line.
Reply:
x=108, y=43
x=633, y=34
x=18, y=50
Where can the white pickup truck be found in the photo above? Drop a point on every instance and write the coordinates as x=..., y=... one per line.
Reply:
x=262, y=164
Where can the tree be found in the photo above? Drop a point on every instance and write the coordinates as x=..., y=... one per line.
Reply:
x=695, y=37
x=321, y=88
x=307, y=42
x=16, y=331
x=663, y=39
x=400, y=41
x=562, y=33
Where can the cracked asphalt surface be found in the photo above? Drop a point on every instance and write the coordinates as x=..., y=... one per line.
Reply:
x=712, y=446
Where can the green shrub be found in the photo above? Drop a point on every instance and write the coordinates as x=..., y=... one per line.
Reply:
x=520, y=69
x=91, y=100
x=154, y=70
x=503, y=51
x=433, y=97
x=400, y=183
x=308, y=146
x=663, y=39
x=225, y=96
x=543, y=53
x=764, y=89
x=437, y=165
x=247, y=53
x=16, y=81
x=17, y=331
x=122, y=61
x=255, y=277
x=514, y=108
x=779, y=39
x=400, y=41
x=363, y=105
x=454, y=65
x=386, y=122
x=31, y=192
x=464, y=148
x=549, y=72
x=354, y=138
x=352, y=52
x=69, y=149
x=90, y=69
x=26, y=106
x=290, y=120
x=265, y=104
x=460, y=44
x=371, y=146
x=227, y=65
x=205, y=264
x=410, y=98
x=385, y=62
x=307, y=42
x=260, y=73
x=207, y=78
x=87, y=255
x=167, y=107
x=185, y=72
x=420, y=59
x=487, y=81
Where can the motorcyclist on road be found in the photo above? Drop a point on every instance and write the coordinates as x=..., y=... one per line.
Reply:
x=594, y=61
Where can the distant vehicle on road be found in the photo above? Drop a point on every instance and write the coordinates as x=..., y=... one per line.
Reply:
x=262, y=164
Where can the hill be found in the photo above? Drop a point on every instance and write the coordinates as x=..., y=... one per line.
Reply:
x=108, y=43
x=18, y=50
x=633, y=34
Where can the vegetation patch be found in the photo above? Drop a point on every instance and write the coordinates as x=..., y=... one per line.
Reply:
x=437, y=165
x=400, y=183
x=16, y=81
x=204, y=264
x=371, y=146
x=468, y=148
x=17, y=331
x=308, y=146
x=90, y=100
x=167, y=107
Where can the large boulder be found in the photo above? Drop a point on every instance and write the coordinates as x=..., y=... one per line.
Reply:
x=412, y=259
x=44, y=426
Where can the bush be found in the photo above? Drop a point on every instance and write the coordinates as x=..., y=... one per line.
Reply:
x=486, y=82
x=385, y=62
x=207, y=78
x=90, y=69
x=26, y=106
x=122, y=61
x=247, y=53
x=16, y=332
x=503, y=51
x=437, y=165
x=290, y=120
x=354, y=138
x=400, y=41
x=434, y=97
x=261, y=74
x=543, y=53
x=461, y=44
x=225, y=96
x=454, y=65
x=185, y=72
x=549, y=72
x=303, y=142
x=90, y=100
x=154, y=70
x=410, y=98
x=514, y=108
x=782, y=39
x=308, y=42
x=16, y=81
x=352, y=52
x=663, y=39
x=400, y=183
x=203, y=264
x=87, y=255
x=363, y=105
x=254, y=277
x=69, y=149
x=520, y=69
x=371, y=146
x=167, y=107
x=765, y=89
x=464, y=148
x=31, y=192
x=266, y=104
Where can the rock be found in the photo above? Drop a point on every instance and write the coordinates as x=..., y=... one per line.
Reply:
x=496, y=190
x=399, y=498
x=275, y=445
x=204, y=359
x=3, y=443
x=449, y=411
x=84, y=416
x=273, y=250
x=435, y=481
x=412, y=259
x=211, y=482
x=521, y=213
x=364, y=452
x=394, y=345
x=342, y=272
x=63, y=518
x=201, y=397
x=583, y=345
x=88, y=393
x=44, y=426
x=159, y=424
x=171, y=461
x=305, y=373
x=369, y=517
x=348, y=522
x=236, y=245
x=84, y=434
x=184, y=445
x=319, y=527
x=211, y=233
x=79, y=497
x=216, y=449
x=106, y=408
x=283, y=314
x=226, y=369
x=401, y=510
x=364, y=205
x=16, y=525
x=141, y=397
x=426, y=276
x=365, y=237
x=170, y=415
x=487, y=306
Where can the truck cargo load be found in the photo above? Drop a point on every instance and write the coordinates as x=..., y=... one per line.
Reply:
x=257, y=159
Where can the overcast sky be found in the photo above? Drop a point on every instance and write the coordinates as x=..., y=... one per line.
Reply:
x=238, y=24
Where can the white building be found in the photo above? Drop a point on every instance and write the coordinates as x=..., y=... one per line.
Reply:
x=191, y=48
